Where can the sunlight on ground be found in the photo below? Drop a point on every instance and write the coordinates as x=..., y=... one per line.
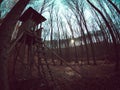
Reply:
x=69, y=71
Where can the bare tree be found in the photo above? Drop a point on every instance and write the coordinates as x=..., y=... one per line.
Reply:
x=69, y=20
x=113, y=26
x=0, y=7
x=111, y=33
x=105, y=42
x=1, y=1
x=58, y=21
x=116, y=8
x=77, y=8
x=6, y=30
x=89, y=37
x=51, y=29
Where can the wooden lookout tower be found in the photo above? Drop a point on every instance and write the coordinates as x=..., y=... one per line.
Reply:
x=27, y=53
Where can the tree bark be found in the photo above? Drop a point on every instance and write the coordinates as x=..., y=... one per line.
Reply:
x=1, y=1
x=116, y=8
x=6, y=30
x=112, y=35
x=0, y=7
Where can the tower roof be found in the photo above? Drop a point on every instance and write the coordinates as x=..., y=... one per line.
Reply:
x=30, y=13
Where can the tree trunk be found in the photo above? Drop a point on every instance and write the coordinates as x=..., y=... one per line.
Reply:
x=1, y=1
x=116, y=8
x=6, y=30
x=90, y=38
x=112, y=35
x=0, y=7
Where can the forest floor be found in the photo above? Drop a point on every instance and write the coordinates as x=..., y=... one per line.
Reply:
x=90, y=77
x=85, y=77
